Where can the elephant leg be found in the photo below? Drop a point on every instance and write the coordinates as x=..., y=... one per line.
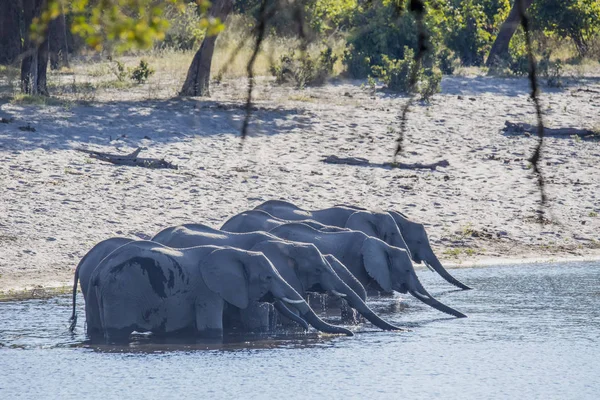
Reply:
x=209, y=319
x=112, y=335
x=255, y=318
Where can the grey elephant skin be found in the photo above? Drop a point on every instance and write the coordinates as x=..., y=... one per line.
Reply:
x=301, y=265
x=86, y=267
x=189, y=235
x=377, y=265
x=259, y=220
x=147, y=287
x=406, y=234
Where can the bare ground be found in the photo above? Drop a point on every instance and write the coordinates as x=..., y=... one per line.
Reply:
x=56, y=203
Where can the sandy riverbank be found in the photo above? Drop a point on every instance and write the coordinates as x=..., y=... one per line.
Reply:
x=56, y=202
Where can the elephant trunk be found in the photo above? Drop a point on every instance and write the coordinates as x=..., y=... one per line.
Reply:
x=286, y=312
x=421, y=294
x=346, y=276
x=432, y=261
x=73, y=318
x=357, y=303
x=309, y=316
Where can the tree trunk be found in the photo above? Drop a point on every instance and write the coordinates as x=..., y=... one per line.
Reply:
x=35, y=60
x=499, y=50
x=197, y=82
x=57, y=37
x=10, y=32
x=42, y=67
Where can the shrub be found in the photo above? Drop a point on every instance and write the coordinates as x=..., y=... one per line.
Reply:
x=185, y=30
x=467, y=35
x=379, y=30
x=141, y=73
x=446, y=61
x=551, y=70
x=396, y=75
x=304, y=70
x=119, y=70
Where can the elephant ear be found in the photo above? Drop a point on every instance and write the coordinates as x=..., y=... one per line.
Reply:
x=376, y=262
x=224, y=273
x=361, y=221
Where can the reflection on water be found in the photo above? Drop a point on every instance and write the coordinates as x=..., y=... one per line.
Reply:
x=532, y=332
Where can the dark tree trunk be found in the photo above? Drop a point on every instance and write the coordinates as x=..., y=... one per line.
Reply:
x=10, y=31
x=35, y=60
x=57, y=37
x=499, y=50
x=197, y=82
x=42, y=67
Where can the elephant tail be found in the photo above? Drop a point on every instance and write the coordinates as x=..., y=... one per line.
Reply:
x=73, y=318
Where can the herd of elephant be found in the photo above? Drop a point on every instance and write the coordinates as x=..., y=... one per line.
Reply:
x=196, y=280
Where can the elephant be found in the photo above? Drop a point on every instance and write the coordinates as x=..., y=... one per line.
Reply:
x=190, y=235
x=86, y=266
x=301, y=265
x=258, y=220
x=377, y=265
x=412, y=237
x=144, y=286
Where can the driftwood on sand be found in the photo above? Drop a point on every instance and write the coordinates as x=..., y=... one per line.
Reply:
x=333, y=159
x=521, y=128
x=131, y=159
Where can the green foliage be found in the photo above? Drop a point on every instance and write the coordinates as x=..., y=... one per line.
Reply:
x=577, y=19
x=304, y=70
x=518, y=62
x=446, y=61
x=382, y=29
x=141, y=73
x=326, y=15
x=185, y=30
x=467, y=34
x=128, y=23
x=119, y=70
x=396, y=75
x=551, y=70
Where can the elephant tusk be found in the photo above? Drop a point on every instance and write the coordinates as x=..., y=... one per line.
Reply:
x=292, y=301
x=429, y=266
x=338, y=293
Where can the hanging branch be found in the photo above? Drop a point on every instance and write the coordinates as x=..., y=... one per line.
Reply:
x=535, y=158
x=418, y=8
x=264, y=17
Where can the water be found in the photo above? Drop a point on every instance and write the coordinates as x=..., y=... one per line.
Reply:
x=532, y=333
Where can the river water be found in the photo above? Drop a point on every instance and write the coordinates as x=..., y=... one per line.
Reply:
x=533, y=333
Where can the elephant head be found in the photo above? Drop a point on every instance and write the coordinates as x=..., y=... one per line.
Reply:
x=303, y=266
x=241, y=277
x=378, y=224
x=420, y=249
x=391, y=268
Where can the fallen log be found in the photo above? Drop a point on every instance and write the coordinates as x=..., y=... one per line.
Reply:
x=131, y=159
x=333, y=159
x=522, y=128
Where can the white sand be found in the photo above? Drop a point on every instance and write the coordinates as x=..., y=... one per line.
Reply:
x=56, y=203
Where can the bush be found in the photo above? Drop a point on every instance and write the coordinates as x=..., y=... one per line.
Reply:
x=551, y=70
x=304, y=70
x=185, y=29
x=379, y=30
x=577, y=19
x=396, y=75
x=446, y=61
x=141, y=73
x=467, y=35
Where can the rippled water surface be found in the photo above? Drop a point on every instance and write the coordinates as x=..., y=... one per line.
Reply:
x=533, y=332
